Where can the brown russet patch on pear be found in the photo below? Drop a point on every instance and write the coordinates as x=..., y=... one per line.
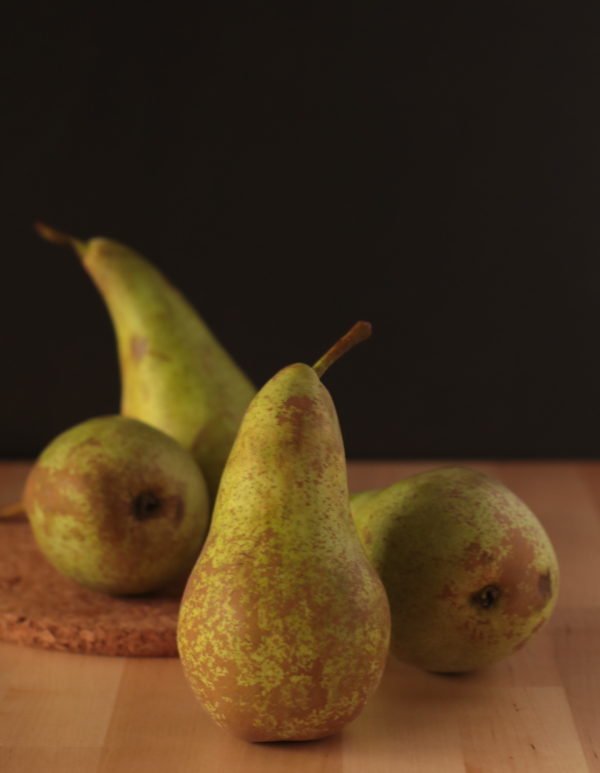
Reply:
x=502, y=518
x=121, y=505
x=455, y=492
x=448, y=594
x=477, y=629
x=476, y=557
x=287, y=699
x=291, y=699
x=232, y=682
x=138, y=346
x=318, y=466
x=295, y=411
x=509, y=635
x=518, y=576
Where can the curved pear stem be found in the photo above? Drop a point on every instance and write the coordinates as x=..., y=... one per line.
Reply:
x=58, y=237
x=12, y=510
x=357, y=333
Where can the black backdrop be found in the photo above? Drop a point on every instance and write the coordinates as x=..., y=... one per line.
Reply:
x=294, y=167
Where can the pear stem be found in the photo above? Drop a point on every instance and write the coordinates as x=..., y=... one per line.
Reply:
x=58, y=237
x=12, y=510
x=357, y=333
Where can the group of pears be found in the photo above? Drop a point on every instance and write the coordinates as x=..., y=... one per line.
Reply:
x=295, y=588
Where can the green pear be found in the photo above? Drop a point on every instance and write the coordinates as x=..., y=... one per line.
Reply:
x=175, y=375
x=284, y=626
x=118, y=506
x=469, y=570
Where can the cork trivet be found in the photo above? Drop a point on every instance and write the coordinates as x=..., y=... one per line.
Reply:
x=41, y=608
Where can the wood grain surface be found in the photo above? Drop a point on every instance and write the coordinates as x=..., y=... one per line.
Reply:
x=537, y=711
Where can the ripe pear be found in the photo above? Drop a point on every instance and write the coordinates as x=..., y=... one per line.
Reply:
x=175, y=375
x=469, y=570
x=118, y=506
x=284, y=626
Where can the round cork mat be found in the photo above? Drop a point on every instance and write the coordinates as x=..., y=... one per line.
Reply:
x=41, y=608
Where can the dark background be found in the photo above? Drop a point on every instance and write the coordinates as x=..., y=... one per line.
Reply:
x=293, y=167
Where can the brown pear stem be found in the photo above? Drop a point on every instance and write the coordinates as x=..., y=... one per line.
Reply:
x=12, y=510
x=58, y=237
x=357, y=333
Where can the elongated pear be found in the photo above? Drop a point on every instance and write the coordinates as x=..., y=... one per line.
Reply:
x=284, y=626
x=118, y=506
x=470, y=572
x=175, y=375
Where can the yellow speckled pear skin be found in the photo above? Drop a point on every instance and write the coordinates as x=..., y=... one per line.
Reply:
x=284, y=626
x=175, y=375
x=469, y=570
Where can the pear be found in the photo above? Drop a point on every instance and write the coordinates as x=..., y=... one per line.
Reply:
x=469, y=570
x=284, y=626
x=118, y=506
x=175, y=375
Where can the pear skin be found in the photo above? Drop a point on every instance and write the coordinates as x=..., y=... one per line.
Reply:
x=118, y=506
x=284, y=626
x=469, y=571
x=175, y=375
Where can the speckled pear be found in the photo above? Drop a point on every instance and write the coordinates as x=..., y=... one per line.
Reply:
x=175, y=375
x=469, y=570
x=118, y=506
x=284, y=626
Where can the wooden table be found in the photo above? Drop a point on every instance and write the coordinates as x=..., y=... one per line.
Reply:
x=537, y=711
